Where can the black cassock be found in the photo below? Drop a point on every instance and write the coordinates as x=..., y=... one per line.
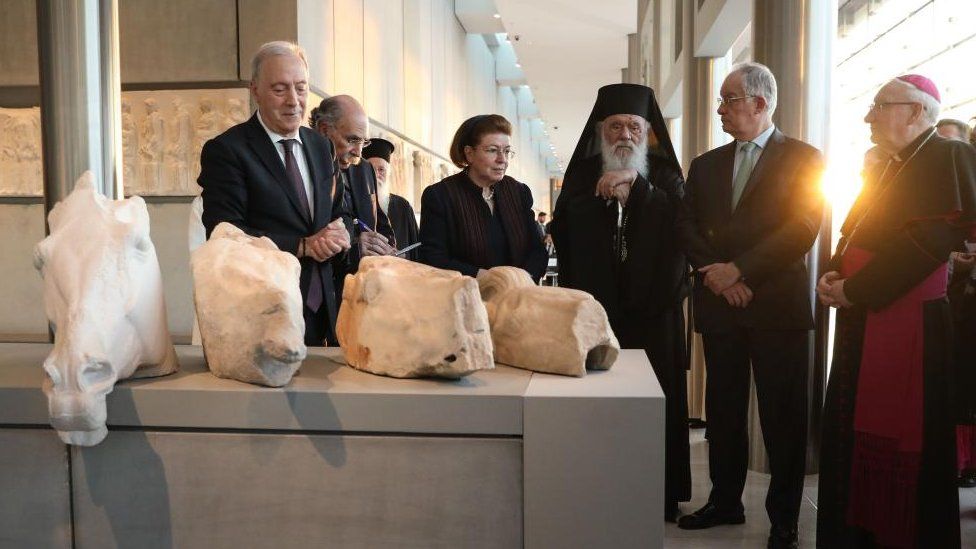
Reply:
x=404, y=224
x=638, y=274
x=906, y=223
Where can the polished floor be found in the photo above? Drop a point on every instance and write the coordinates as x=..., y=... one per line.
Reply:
x=753, y=533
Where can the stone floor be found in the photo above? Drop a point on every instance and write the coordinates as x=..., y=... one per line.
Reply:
x=754, y=532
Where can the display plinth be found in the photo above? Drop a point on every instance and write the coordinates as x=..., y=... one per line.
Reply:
x=339, y=457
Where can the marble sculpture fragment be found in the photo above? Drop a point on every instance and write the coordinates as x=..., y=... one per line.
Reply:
x=249, y=307
x=103, y=296
x=546, y=329
x=404, y=319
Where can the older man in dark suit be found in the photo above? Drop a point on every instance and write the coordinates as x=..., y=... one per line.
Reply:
x=752, y=210
x=343, y=121
x=272, y=177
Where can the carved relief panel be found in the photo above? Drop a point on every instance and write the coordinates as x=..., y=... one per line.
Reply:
x=162, y=134
x=164, y=131
x=20, y=152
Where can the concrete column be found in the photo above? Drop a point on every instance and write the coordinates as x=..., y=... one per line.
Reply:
x=79, y=117
x=111, y=84
x=697, y=115
x=793, y=38
x=632, y=74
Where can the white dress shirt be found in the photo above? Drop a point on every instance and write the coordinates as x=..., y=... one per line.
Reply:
x=299, y=153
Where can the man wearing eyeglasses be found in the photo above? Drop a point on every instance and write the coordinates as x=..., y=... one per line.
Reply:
x=344, y=122
x=888, y=453
x=751, y=211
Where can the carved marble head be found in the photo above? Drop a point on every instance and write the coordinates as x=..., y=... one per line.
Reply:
x=103, y=296
x=545, y=329
x=404, y=319
x=249, y=307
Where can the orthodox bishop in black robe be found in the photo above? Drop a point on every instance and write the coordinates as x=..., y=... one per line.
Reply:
x=624, y=251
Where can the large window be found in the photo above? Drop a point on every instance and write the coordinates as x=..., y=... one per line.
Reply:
x=878, y=40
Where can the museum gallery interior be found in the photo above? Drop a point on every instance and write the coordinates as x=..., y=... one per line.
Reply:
x=487, y=273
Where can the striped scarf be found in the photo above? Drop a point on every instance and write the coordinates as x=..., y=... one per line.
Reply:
x=467, y=203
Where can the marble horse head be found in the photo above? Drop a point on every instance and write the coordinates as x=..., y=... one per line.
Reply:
x=249, y=307
x=546, y=329
x=103, y=296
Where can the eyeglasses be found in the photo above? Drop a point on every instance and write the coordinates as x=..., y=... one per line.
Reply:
x=357, y=141
x=881, y=105
x=727, y=101
x=494, y=151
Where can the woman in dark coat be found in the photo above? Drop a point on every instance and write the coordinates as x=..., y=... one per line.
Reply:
x=480, y=218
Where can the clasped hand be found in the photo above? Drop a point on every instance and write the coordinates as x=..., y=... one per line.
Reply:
x=616, y=184
x=725, y=279
x=332, y=239
x=830, y=290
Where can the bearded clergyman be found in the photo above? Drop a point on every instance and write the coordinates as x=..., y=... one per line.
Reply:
x=397, y=209
x=613, y=228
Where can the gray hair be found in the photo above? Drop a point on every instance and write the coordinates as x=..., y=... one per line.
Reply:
x=330, y=111
x=759, y=81
x=930, y=107
x=274, y=49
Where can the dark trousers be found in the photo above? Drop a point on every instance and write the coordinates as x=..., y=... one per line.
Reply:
x=318, y=329
x=779, y=365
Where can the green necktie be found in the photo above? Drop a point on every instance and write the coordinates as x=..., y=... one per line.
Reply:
x=745, y=170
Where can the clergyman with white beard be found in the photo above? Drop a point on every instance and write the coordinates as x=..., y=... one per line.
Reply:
x=613, y=228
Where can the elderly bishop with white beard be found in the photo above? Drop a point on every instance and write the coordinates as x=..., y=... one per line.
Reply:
x=613, y=228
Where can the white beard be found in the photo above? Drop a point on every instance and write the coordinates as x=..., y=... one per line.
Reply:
x=383, y=195
x=637, y=159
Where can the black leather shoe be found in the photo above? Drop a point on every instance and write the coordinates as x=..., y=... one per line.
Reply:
x=671, y=511
x=967, y=479
x=709, y=516
x=782, y=539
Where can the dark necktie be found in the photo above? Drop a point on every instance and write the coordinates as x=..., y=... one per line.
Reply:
x=315, y=291
x=294, y=175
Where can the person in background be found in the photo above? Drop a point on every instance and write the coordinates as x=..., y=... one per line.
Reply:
x=480, y=218
x=962, y=303
x=951, y=128
x=397, y=209
x=540, y=222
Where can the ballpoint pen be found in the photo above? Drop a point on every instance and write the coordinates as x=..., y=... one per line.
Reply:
x=362, y=225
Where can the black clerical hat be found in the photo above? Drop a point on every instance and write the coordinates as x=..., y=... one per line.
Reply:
x=623, y=99
x=378, y=148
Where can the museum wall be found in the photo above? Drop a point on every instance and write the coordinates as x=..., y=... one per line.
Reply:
x=185, y=67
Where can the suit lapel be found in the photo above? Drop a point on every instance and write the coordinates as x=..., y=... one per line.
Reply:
x=321, y=179
x=724, y=174
x=262, y=146
x=767, y=163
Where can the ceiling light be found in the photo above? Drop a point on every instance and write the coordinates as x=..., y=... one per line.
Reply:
x=497, y=16
x=519, y=65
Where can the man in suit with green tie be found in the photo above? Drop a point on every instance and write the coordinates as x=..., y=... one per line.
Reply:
x=751, y=211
